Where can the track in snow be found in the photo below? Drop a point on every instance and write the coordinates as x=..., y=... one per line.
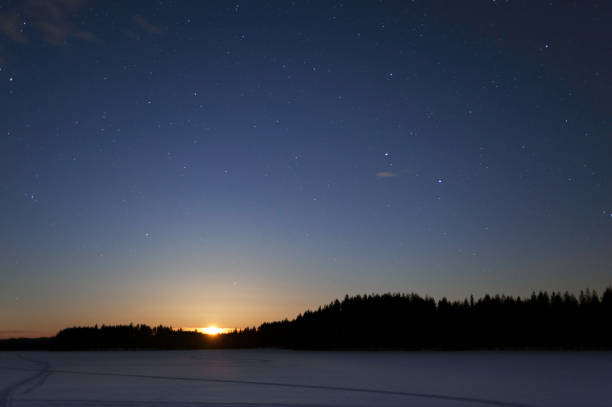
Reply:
x=28, y=384
x=41, y=375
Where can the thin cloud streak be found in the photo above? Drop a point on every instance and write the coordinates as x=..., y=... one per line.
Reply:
x=390, y=174
x=16, y=333
x=145, y=25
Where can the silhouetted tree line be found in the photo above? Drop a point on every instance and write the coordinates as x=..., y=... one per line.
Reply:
x=388, y=321
x=128, y=337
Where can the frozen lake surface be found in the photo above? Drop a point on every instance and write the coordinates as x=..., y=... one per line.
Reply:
x=277, y=378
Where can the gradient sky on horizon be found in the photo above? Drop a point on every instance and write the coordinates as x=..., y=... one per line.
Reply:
x=231, y=162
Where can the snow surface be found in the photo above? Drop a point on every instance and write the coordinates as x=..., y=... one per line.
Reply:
x=277, y=378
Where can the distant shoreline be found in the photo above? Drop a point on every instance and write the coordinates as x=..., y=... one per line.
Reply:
x=552, y=322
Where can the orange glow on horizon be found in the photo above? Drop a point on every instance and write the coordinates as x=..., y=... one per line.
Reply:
x=213, y=330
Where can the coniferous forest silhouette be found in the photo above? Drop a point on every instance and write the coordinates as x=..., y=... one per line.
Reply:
x=387, y=321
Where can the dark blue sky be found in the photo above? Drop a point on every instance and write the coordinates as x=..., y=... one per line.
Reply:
x=191, y=163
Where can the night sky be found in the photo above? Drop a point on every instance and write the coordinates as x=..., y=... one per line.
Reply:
x=228, y=163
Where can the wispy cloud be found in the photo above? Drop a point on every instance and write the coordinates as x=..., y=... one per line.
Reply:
x=11, y=25
x=56, y=22
x=145, y=25
x=49, y=19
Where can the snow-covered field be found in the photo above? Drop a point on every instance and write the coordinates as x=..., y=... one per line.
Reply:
x=286, y=378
